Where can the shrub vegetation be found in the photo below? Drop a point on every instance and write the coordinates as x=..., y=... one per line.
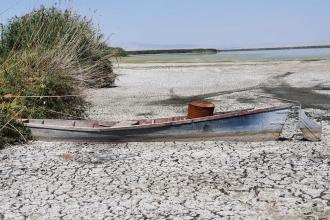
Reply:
x=49, y=52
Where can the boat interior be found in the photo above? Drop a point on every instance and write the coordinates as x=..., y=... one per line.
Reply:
x=104, y=123
x=110, y=123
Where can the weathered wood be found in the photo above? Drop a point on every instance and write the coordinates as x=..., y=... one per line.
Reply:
x=247, y=125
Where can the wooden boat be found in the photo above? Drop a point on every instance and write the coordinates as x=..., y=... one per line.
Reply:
x=241, y=125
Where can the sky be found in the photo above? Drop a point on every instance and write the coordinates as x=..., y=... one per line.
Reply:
x=221, y=24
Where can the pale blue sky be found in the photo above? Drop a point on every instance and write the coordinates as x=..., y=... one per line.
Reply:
x=144, y=24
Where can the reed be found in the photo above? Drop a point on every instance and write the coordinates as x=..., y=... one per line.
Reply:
x=50, y=52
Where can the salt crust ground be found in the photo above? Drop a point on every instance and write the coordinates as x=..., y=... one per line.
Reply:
x=176, y=180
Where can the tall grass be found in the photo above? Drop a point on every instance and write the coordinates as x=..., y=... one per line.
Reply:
x=49, y=52
x=67, y=40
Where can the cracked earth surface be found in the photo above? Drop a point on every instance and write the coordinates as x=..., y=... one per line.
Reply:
x=181, y=180
x=175, y=180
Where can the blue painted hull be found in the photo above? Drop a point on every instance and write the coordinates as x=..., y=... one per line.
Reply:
x=250, y=126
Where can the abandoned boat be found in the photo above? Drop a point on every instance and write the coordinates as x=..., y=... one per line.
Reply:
x=200, y=123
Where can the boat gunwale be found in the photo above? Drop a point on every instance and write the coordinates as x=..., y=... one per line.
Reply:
x=237, y=113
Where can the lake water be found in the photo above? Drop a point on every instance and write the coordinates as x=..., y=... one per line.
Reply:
x=262, y=55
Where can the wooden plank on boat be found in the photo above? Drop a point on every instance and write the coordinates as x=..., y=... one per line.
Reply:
x=311, y=130
x=125, y=124
x=107, y=123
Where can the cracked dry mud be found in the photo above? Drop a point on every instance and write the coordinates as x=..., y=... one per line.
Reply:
x=166, y=180
x=176, y=180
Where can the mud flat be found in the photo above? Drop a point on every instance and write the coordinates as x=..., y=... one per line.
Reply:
x=181, y=180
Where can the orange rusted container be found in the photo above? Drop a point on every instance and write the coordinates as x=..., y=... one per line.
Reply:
x=198, y=109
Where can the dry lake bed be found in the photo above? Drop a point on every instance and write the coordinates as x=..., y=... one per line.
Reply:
x=288, y=179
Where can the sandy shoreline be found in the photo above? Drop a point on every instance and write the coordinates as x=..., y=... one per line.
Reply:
x=184, y=180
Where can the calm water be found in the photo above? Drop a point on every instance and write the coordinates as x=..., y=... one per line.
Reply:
x=267, y=55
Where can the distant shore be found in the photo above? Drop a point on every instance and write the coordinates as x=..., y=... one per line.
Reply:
x=171, y=51
x=214, y=51
x=274, y=48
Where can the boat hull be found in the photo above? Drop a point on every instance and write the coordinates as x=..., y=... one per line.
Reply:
x=258, y=126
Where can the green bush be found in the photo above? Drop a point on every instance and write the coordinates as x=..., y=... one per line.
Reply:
x=66, y=39
x=49, y=52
